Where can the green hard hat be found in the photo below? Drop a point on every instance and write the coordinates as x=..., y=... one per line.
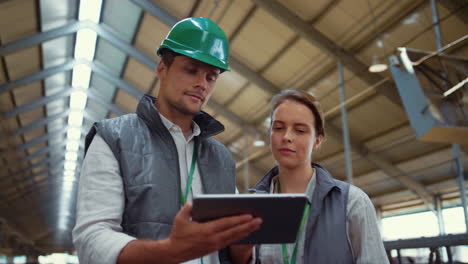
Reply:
x=199, y=38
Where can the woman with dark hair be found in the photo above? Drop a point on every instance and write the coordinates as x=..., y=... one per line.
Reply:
x=339, y=223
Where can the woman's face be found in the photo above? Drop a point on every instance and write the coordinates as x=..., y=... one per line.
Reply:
x=292, y=134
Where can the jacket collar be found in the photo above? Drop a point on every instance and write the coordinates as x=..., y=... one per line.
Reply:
x=147, y=111
x=324, y=181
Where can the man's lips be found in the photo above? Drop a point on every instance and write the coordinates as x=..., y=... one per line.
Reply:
x=196, y=96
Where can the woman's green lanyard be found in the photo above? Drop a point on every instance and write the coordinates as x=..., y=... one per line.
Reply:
x=184, y=195
x=299, y=233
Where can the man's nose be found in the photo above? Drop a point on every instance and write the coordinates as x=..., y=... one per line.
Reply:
x=201, y=81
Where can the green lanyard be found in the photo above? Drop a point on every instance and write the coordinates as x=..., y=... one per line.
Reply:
x=299, y=233
x=183, y=196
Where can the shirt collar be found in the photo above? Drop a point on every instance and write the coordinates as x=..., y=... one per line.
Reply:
x=310, y=185
x=175, y=128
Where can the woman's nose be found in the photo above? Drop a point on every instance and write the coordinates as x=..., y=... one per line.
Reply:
x=287, y=136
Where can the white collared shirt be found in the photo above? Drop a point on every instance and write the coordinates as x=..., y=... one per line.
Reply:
x=98, y=235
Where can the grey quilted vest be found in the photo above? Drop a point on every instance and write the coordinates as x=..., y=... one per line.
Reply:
x=326, y=238
x=149, y=166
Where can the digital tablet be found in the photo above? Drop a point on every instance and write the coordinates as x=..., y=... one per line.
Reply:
x=281, y=213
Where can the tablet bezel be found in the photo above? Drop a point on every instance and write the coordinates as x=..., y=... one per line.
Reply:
x=281, y=213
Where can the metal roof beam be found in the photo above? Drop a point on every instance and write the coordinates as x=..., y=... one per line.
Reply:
x=48, y=160
x=40, y=37
x=458, y=8
x=43, y=138
x=235, y=64
x=37, y=76
x=93, y=95
x=385, y=165
x=44, y=150
x=39, y=102
x=41, y=122
x=318, y=39
x=72, y=28
x=40, y=151
x=125, y=86
x=124, y=46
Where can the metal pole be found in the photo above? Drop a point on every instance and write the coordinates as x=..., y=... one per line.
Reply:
x=455, y=147
x=461, y=181
x=440, y=219
x=435, y=18
x=344, y=122
x=246, y=165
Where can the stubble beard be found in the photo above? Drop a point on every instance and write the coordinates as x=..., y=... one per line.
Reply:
x=183, y=109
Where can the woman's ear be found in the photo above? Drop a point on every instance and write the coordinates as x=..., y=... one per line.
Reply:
x=318, y=142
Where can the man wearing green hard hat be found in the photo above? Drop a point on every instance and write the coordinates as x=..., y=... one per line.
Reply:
x=141, y=170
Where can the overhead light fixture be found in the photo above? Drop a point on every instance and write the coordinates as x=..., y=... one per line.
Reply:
x=75, y=118
x=71, y=155
x=70, y=165
x=74, y=133
x=90, y=10
x=72, y=145
x=81, y=76
x=259, y=143
x=85, y=46
x=455, y=87
x=377, y=66
x=69, y=173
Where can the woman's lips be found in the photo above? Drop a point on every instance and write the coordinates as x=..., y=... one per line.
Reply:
x=286, y=151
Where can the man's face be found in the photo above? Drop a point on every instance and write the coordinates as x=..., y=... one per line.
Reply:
x=186, y=85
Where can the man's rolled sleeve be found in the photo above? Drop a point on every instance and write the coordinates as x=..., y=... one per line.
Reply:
x=97, y=235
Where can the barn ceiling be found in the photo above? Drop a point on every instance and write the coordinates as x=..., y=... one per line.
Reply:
x=275, y=44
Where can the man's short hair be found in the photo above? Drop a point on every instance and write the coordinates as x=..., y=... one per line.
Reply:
x=167, y=56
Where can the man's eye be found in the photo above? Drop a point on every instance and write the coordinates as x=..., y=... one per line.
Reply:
x=191, y=70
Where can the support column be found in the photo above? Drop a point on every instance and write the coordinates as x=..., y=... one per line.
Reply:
x=32, y=260
x=246, y=165
x=461, y=181
x=440, y=219
x=435, y=19
x=344, y=122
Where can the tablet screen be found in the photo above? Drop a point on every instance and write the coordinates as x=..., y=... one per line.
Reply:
x=281, y=213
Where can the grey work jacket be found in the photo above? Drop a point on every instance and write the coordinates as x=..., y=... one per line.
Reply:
x=149, y=166
x=326, y=238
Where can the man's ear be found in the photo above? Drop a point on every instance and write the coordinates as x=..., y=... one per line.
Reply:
x=161, y=67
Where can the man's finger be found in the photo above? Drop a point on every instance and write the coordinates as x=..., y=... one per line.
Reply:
x=241, y=231
x=185, y=212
